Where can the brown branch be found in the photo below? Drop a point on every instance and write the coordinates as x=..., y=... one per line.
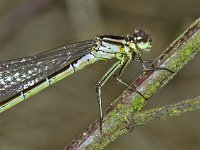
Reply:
x=116, y=119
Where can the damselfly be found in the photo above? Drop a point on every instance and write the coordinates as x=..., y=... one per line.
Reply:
x=21, y=78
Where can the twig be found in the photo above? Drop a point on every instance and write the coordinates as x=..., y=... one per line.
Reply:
x=161, y=113
x=116, y=120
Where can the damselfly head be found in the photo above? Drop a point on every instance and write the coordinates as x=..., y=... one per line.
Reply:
x=141, y=39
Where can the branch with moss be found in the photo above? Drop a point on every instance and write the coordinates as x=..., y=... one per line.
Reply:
x=116, y=120
x=156, y=114
x=161, y=113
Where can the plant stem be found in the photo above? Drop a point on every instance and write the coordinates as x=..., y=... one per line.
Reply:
x=161, y=113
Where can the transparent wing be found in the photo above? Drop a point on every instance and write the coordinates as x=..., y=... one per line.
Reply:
x=19, y=74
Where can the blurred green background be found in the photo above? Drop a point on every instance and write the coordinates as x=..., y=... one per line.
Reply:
x=55, y=116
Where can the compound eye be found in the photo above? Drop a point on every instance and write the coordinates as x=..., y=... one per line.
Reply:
x=142, y=39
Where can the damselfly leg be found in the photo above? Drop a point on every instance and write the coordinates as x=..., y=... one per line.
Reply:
x=145, y=69
x=128, y=86
x=118, y=77
x=100, y=84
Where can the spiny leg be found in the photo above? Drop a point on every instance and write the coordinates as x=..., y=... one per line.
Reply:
x=118, y=77
x=159, y=68
x=100, y=84
x=123, y=67
x=142, y=62
x=124, y=83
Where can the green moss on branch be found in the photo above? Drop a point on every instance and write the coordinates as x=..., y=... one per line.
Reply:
x=161, y=113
